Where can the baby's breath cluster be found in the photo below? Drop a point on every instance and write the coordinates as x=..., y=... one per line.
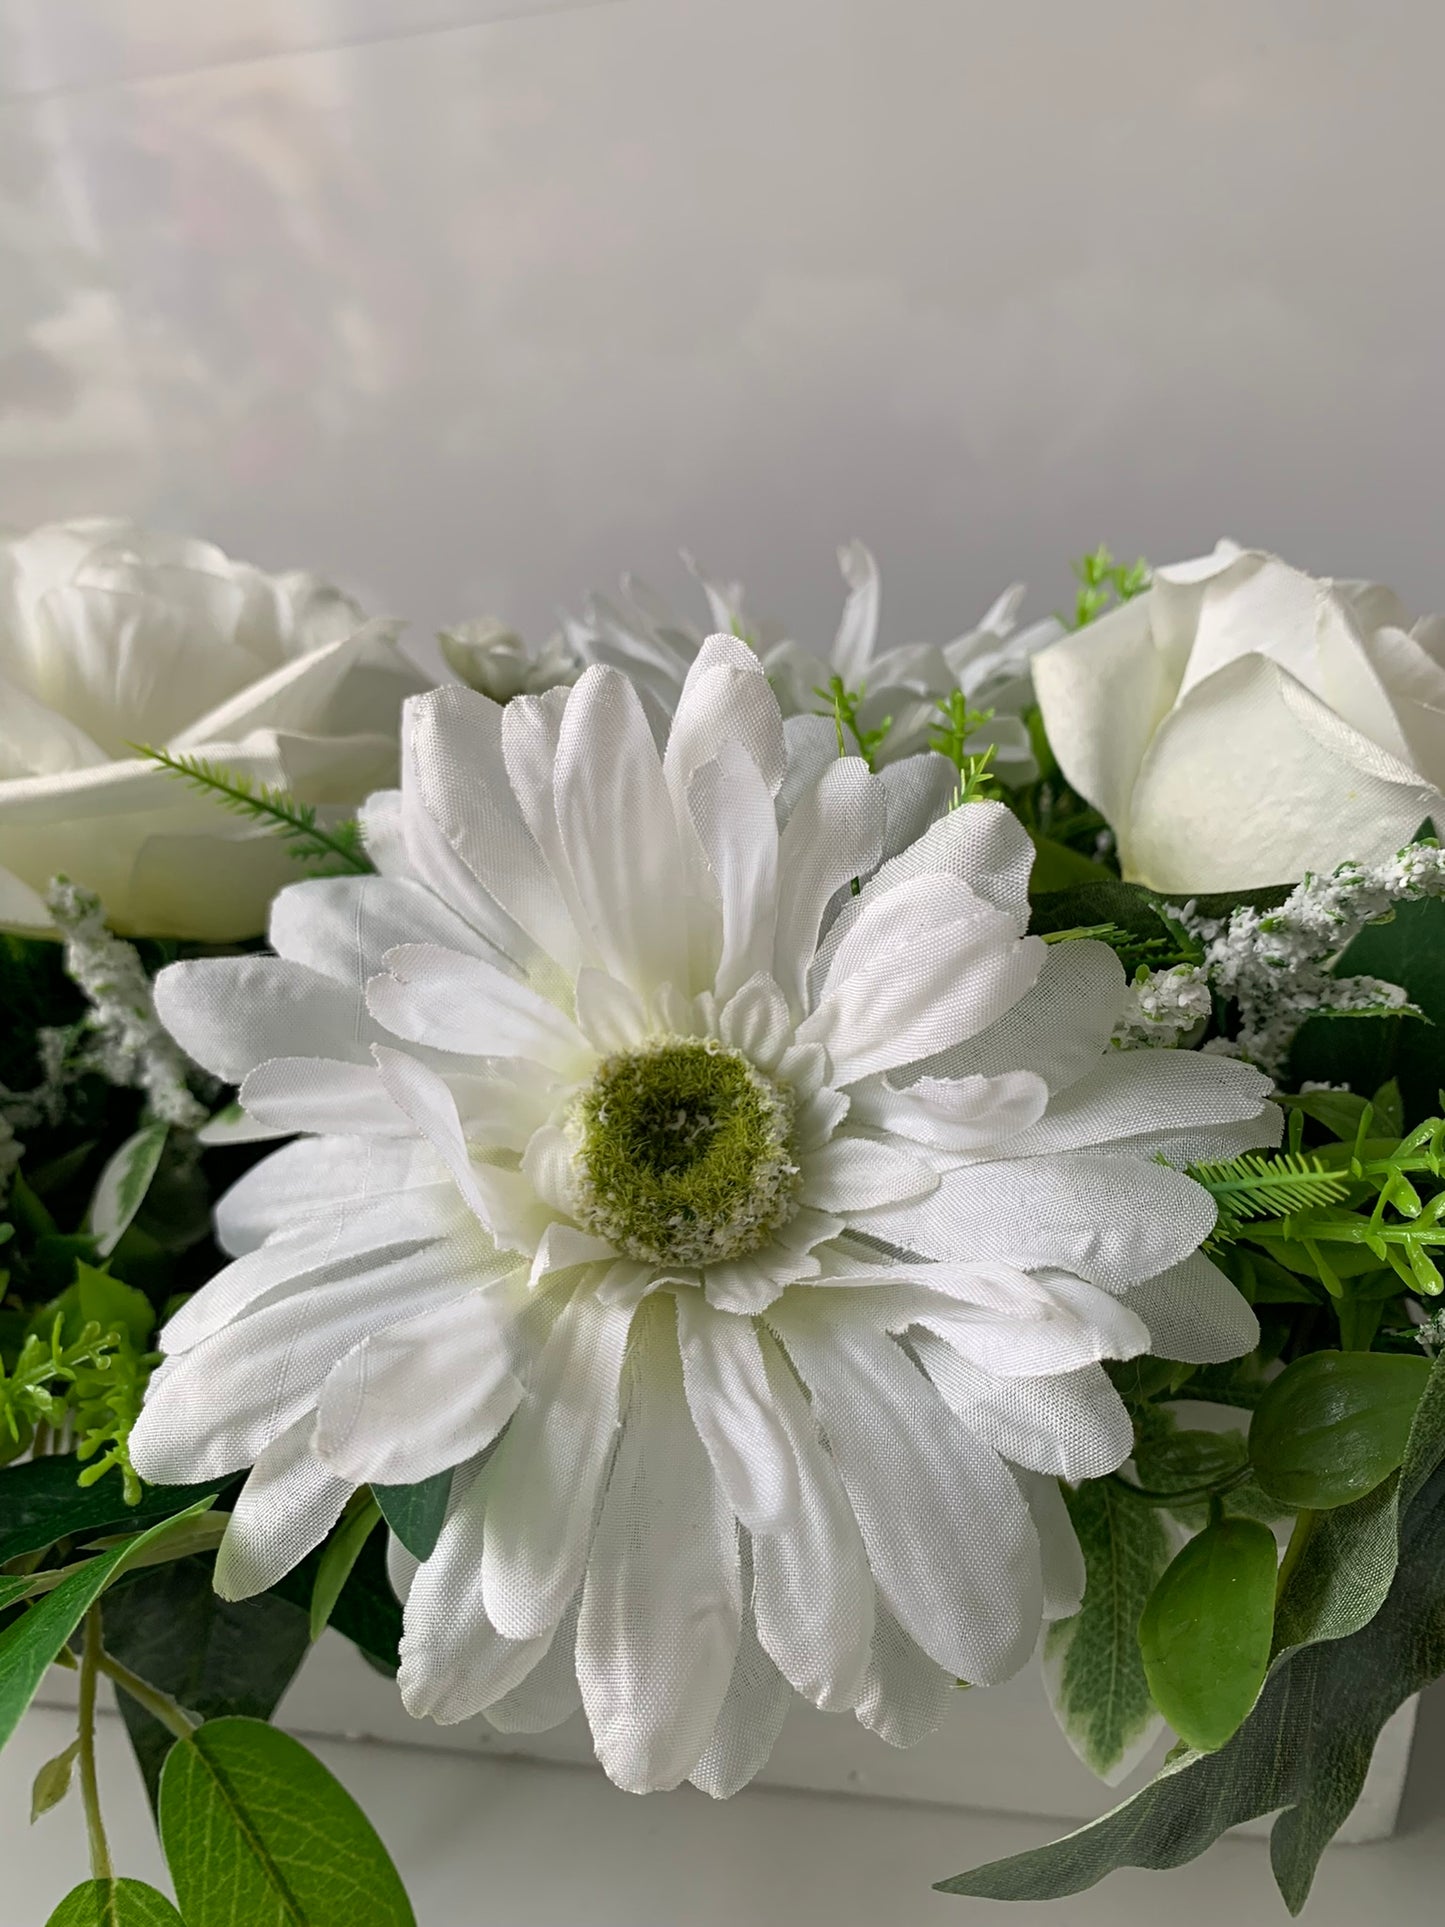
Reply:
x=1277, y=965
x=1164, y=1007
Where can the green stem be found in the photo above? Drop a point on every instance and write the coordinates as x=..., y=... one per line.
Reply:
x=1299, y=1538
x=159, y=1705
x=100, y=1862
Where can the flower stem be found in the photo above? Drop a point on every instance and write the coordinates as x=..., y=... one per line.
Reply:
x=159, y=1705
x=100, y=1862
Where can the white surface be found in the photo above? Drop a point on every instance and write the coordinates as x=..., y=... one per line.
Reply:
x=503, y=1844
x=476, y=312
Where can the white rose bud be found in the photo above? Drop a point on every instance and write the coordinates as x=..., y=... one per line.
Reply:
x=497, y=662
x=112, y=636
x=1242, y=723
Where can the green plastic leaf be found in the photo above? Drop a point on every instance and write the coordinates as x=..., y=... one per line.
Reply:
x=257, y=1833
x=115, y=1903
x=1205, y=1633
x=1056, y=867
x=1372, y=1606
x=41, y=1503
x=28, y=1646
x=52, y=1782
x=123, y=1184
x=1183, y=1461
x=1333, y=1425
x=1092, y=1666
x=215, y=1656
x=367, y=1612
x=416, y=1513
x=340, y=1554
x=113, y=1305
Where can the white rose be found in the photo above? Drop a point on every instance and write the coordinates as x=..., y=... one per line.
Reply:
x=497, y=662
x=112, y=636
x=1241, y=722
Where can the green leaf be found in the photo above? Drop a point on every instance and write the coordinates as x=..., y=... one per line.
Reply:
x=416, y=1513
x=215, y=1656
x=123, y=1184
x=256, y=1831
x=1333, y=1425
x=113, y=1306
x=1092, y=1666
x=367, y=1611
x=340, y=1554
x=1180, y=1461
x=1338, y=1111
x=1084, y=905
x=1373, y=1607
x=41, y=1503
x=52, y=1782
x=28, y=1646
x=115, y=1903
x=1056, y=867
x=1205, y=1633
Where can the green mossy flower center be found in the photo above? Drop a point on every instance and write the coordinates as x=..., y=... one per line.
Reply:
x=683, y=1153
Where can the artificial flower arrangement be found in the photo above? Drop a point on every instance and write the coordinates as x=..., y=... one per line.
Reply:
x=753, y=1173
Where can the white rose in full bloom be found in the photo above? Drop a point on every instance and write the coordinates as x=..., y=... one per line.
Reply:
x=1242, y=723
x=495, y=661
x=113, y=636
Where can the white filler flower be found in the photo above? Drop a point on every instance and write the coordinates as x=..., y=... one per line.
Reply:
x=899, y=686
x=623, y=1107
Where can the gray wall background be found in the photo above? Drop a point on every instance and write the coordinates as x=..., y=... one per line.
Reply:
x=475, y=303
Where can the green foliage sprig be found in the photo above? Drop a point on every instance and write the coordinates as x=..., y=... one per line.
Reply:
x=1103, y=582
x=843, y=705
x=273, y=808
x=958, y=723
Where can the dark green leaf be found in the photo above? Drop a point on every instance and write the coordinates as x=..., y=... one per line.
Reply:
x=1374, y=1610
x=1179, y=1461
x=28, y=1645
x=339, y=1554
x=215, y=1656
x=115, y=1903
x=1205, y=1633
x=41, y=1503
x=1338, y=1111
x=1091, y=1662
x=1084, y=905
x=416, y=1513
x=367, y=1611
x=1333, y=1425
x=1056, y=867
x=256, y=1831
x=123, y=1185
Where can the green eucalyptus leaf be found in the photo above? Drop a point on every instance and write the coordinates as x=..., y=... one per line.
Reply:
x=1092, y=1666
x=416, y=1513
x=1205, y=1633
x=256, y=1831
x=340, y=1554
x=1371, y=1603
x=41, y=1503
x=52, y=1782
x=28, y=1645
x=115, y=1903
x=123, y=1183
x=1333, y=1425
x=214, y=1656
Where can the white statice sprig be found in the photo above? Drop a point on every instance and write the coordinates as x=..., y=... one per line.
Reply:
x=1278, y=965
x=122, y=1038
x=1165, y=1007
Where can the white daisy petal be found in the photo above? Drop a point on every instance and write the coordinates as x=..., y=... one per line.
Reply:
x=285, y=1509
x=732, y=810
x=735, y=1415
x=750, y=1721
x=853, y=1174
x=948, y=1535
x=618, y=829
x=1073, y=1424
x=835, y=833
x=1139, y=1097
x=1062, y=1555
x=550, y=1693
x=232, y=1013
x=466, y=1005
x=320, y=1175
x=320, y=1094
x=610, y=1015
x=1057, y=1031
x=725, y=699
x=421, y=1396
x=755, y=1021
x=549, y=1468
x=904, y=1693
x=952, y=1114
x=1194, y=1313
x=661, y=1608
x=823, y=1651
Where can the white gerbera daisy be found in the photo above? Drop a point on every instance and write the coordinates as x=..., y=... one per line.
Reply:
x=900, y=687
x=743, y=1220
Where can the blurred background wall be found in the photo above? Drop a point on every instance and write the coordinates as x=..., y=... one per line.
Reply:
x=475, y=303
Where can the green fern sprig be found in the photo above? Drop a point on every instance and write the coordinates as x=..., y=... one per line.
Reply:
x=286, y=816
x=1258, y=1186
